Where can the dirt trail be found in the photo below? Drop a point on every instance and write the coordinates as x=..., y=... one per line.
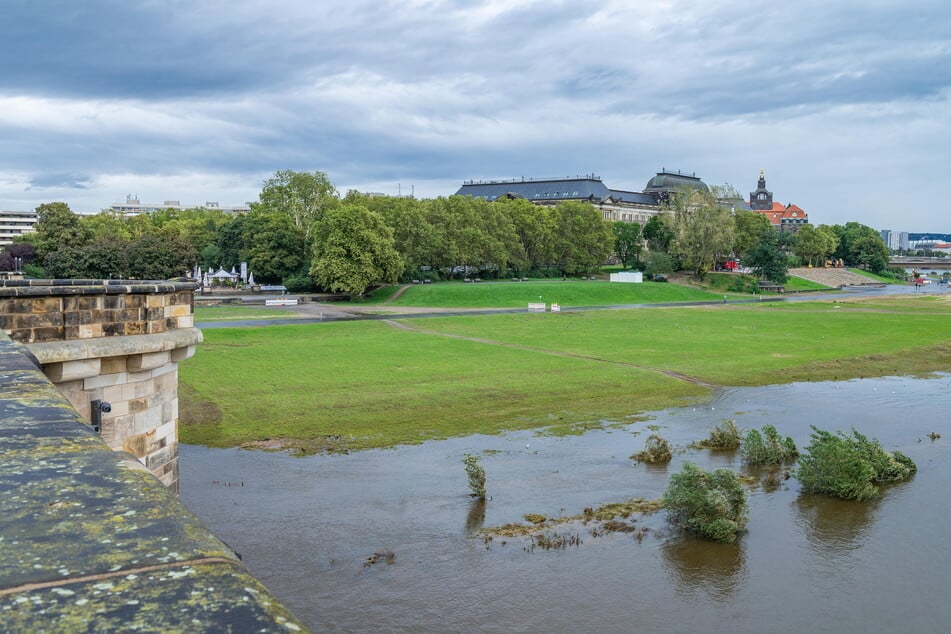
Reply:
x=395, y=296
x=514, y=346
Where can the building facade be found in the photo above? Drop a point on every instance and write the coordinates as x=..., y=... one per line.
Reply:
x=788, y=218
x=133, y=207
x=14, y=224
x=614, y=204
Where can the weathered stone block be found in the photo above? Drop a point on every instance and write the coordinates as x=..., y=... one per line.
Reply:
x=113, y=329
x=47, y=334
x=72, y=370
x=46, y=305
x=156, y=301
x=148, y=419
x=186, y=321
x=112, y=365
x=147, y=361
x=103, y=380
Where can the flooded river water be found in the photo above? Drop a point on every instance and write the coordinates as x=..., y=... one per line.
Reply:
x=306, y=526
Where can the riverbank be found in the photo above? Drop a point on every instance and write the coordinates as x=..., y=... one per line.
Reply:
x=350, y=386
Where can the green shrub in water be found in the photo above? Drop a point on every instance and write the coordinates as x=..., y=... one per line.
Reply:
x=726, y=435
x=849, y=466
x=712, y=505
x=656, y=450
x=476, y=474
x=768, y=448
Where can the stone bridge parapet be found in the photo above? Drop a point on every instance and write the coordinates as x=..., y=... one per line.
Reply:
x=115, y=342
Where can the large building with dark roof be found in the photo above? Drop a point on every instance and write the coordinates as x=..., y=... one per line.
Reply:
x=615, y=204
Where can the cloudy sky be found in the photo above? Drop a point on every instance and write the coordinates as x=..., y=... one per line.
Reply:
x=844, y=104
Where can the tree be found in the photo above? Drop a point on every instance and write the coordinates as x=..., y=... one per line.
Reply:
x=627, y=242
x=533, y=228
x=153, y=257
x=815, y=244
x=276, y=247
x=767, y=258
x=353, y=249
x=582, y=240
x=703, y=229
x=56, y=227
x=658, y=232
x=22, y=250
x=748, y=228
x=860, y=245
x=303, y=196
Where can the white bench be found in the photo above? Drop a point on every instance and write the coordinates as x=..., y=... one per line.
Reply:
x=280, y=302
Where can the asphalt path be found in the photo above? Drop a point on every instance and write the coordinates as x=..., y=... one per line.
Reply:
x=330, y=313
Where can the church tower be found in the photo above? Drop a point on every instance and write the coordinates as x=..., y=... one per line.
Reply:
x=761, y=199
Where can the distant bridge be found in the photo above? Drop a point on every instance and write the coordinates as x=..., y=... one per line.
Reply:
x=920, y=263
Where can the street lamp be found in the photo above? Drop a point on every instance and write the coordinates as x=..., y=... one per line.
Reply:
x=17, y=263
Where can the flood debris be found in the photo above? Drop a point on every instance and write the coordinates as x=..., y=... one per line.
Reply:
x=542, y=531
x=386, y=556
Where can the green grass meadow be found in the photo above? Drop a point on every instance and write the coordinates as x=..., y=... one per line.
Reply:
x=365, y=384
x=508, y=294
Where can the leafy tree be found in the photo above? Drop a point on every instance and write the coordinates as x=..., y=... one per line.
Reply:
x=815, y=244
x=628, y=243
x=23, y=250
x=232, y=246
x=533, y=229
x=749, y=227
x=413, y=236
x=582, y=240
x=353, y=249
x=156, y=258
x=767, y=259
x=276, y=248
x=56, y=227
x=703, y=229
x=658, y=232
x=712, y=505
x=860, y=245
x=303, y=196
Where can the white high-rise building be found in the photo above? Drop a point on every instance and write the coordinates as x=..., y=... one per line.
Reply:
x=14, y=224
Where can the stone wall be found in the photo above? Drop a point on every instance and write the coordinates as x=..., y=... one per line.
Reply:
x=117, y=342
x=89, y=541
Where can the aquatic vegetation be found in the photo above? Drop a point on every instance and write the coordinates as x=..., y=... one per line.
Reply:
x=476, y=474
x=711, y=505
x=768, y=448
x=849, y=466
x=726, y=435
x=656, y=450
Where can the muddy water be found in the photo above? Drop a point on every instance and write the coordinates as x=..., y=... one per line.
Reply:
x=306, y=527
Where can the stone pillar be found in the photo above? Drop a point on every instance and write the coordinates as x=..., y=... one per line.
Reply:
x=113, y=342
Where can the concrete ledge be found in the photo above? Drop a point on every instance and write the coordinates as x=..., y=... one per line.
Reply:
x=88, y=538
x=124, y=345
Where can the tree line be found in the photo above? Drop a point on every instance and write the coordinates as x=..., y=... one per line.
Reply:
x=303, y=234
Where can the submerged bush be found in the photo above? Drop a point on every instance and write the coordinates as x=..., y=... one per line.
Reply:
x=656, y=449
x=712, y=505
x=849, y=466
x=768, y=448
x=726, y=435
x=476, y=474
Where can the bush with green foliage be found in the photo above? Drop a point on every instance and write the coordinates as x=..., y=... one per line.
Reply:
x=476, y=474
x=656, y=450
x=726, y=435
x=849, y=466
x=768, y=448
x=711, y=505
